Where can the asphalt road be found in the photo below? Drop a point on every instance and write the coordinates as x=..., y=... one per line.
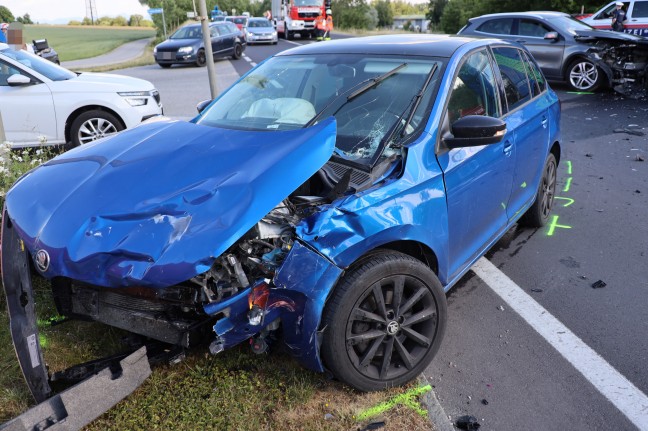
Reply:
x=492, y=363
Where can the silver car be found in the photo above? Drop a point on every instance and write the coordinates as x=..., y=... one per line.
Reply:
x=260, y=30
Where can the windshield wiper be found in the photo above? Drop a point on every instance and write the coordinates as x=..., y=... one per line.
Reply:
x=372, y=82
x=417, y=99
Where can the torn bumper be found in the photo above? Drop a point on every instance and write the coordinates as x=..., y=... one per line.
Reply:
x=296, y=296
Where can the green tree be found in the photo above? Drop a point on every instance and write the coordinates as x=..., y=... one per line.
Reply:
x=372, y=18
x=119, y=21
x=135, y=20
x=6, y=15
x=350, y=13
x=385, y=14
x=435, y=10
x=86, y=21
x=27, y=19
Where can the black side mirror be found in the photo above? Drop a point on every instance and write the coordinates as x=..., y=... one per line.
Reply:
x=202, y=105
x=475, y=130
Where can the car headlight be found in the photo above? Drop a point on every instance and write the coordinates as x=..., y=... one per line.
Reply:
x=135, y=98
x=250, y=35
x=185, y=50
x=274, y=33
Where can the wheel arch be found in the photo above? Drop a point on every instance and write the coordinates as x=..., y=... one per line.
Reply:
x=555, y=150
x=415, y=249
x=70, y=119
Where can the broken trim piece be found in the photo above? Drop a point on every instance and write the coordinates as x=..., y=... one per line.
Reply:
x=16, y=279
x=79, y=405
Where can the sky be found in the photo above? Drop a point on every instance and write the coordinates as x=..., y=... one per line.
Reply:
x=62, y=11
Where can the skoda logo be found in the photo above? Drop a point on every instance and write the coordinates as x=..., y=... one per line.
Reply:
x=42, y=260
x=393, y=327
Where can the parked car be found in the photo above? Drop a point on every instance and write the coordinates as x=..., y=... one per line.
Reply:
x=43, y=103
x=42, y=49
x=260, y=30
x=570, y=50
x=334, y=193
x=239, y=21
x=636, y=12
x=186, y=45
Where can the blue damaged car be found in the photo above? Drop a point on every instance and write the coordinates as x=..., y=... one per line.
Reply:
x=333, y=195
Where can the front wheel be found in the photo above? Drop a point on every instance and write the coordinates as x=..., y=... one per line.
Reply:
x=93, y=125
x=538, y=214
x=238, y=51
x=384, y=322
x=583, y=75
x=201, y=58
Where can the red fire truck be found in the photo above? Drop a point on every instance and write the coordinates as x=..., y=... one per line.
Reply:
x=297, y=16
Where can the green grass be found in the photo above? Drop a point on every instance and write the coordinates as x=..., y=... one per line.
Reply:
x=235, y=390
x=76, y=42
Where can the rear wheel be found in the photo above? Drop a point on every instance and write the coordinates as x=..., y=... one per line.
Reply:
x=538, y=214
x=201, y=58
x=238, y=51
x=583, y=75
x=384, y=322
x=93, y=125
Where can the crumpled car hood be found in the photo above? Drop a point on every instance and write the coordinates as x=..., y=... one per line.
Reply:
x=155, y=205
x=611, y=35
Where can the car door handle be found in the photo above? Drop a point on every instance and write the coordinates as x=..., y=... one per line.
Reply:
x=508, y=148
x=544, y=122
x=521, y=41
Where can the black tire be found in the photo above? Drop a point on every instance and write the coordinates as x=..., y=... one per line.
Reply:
x=164, y=65
x=371, y=341
x=538, y=214
x=583, y=75
x=93, y=125
x=289, y=35
x=201, y=58
x=238, y=51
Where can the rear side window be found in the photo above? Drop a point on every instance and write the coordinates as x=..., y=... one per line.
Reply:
x=536, y=78
x=640, y=9
x=497, y=26
x=474, y=91
x=516, y=83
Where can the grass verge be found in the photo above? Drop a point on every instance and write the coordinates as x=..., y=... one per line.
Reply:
x=235, y=390
x=76, y=42
x=143, y=60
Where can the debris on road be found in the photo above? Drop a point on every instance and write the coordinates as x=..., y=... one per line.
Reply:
x=500, y=308
x=467, y=423
x=537, y=290
x=639, y=158
x=485, y=402
x=629, y=131
x=599, y=284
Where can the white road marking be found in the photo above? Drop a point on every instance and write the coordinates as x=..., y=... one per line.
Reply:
x=606, y=379
x=246, y=58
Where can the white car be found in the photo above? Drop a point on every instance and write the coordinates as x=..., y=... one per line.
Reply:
x=44, y=104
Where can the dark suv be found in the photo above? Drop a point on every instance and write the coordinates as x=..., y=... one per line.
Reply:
x=186, y=45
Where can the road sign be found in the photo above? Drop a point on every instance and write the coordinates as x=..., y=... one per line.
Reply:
x=153, y=11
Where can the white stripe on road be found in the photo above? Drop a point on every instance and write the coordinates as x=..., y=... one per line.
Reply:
x=608, y=381
x=246, y=58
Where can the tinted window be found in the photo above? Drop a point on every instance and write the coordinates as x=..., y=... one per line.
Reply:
x=497, y=26
x=189, y=32
x=224, y=29
x=213, y=31
x=474, y=89
x=640, y=9
x=261, y=23
x=532, y=28
x=516, y=84
x=536, y=77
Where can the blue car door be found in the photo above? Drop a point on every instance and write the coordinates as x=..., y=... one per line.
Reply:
x=527, y=121
x=478, y=179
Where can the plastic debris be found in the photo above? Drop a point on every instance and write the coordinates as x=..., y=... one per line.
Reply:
x=485, y=402
x=328, y=417
x=374, y=426
x=588, y=155
x=639, y=158
x=537, y=290
x=467, y=423
x=500, y=308
x=629, y=131
x=599, y=284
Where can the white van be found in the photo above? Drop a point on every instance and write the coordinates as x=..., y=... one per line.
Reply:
x=637, y=11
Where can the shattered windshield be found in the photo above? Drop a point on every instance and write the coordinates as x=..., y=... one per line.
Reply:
x=371, y=97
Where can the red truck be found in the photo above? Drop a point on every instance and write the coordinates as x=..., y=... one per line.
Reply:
x=297, y=16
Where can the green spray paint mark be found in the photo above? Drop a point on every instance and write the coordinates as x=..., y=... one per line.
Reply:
x=503, y=205
x=554, y=224
x=569, y=167
x=567, y=184
x=569, y=201
x=523, y=185
x=43, y=340
x=580, y=92
x=407, y=399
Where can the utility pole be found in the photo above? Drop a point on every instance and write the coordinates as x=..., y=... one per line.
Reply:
x=209, y=53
